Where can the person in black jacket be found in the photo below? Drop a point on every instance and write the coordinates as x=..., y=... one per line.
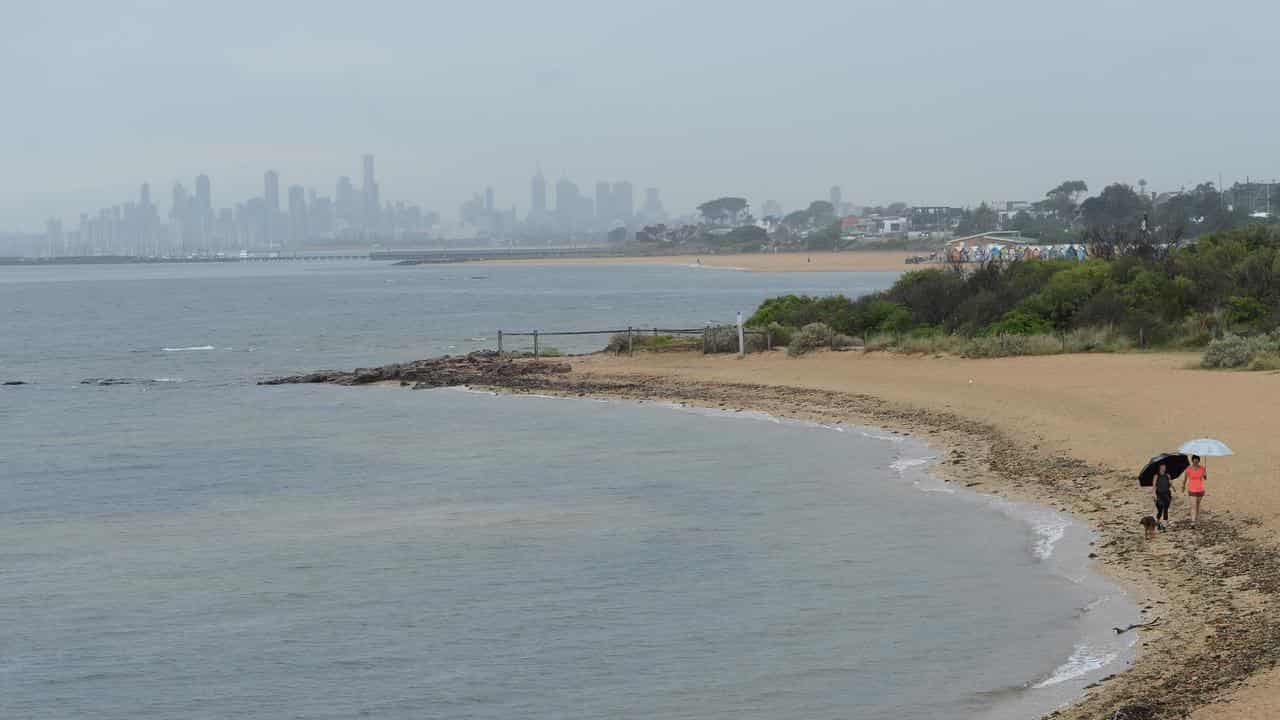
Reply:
x=1162, y=490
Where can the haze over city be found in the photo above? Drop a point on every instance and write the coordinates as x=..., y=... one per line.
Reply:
x=926, y=102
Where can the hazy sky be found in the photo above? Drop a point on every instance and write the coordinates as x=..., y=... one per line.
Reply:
x=930, y=102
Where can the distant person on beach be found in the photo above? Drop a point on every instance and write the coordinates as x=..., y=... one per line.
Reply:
x=1162, y=491
x=1193, y=484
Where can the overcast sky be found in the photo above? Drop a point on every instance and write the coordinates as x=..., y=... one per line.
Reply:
x=943, y=102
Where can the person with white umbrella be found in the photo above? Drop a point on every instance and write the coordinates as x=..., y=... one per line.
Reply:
x=1193, y=480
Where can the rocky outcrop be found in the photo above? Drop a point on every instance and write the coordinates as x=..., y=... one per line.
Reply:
x=478, y=368
x=14, y=382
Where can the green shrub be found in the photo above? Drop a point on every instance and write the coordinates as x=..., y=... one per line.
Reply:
x=781, y=334
x=1265, y=361
x=1019, y=322
x=1236, y=351
x=993, y=346
x=818, y=335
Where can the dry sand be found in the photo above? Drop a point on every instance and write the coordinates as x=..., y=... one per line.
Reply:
x=860, y=260
x=1069, y=431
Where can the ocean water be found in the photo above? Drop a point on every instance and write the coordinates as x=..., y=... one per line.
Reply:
x=187, y=544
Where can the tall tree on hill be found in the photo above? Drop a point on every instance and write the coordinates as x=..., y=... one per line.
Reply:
x=821, y=212
x=1117, y=206
x=725, y=211
x=1064, y=200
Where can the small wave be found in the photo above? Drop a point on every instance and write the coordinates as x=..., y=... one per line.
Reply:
x=192, y=348
x=1048, y=532
x=478, y=339
x=882, y=436
x=167, y=380
x=1083, y=661
x=902, y=465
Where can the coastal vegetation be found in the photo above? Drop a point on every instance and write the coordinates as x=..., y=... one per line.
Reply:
x=1221, y=291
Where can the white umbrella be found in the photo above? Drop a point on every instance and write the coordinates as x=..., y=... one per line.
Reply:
x=1205, y=447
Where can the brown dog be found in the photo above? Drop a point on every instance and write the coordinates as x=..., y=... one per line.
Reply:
x=1149, y=524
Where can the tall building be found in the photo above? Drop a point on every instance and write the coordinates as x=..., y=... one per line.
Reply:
x=568, y=201
x=624, y=202
x=488, y=200
x=298, y=225
x=652, y=211
x=271, y=235
x=538, y=196
x=203, y=213
x=348, y=210
x=604, y=204
x=834, y=196
x=53, y=237
x=372, y=204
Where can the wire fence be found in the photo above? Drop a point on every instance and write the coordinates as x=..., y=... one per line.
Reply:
x=714, y=337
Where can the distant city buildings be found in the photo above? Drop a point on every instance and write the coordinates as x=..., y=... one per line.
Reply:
x=193, y=226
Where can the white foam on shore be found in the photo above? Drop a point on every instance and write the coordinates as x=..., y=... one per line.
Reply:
x=193, y=348
x=902, y=465
x=1083, y=661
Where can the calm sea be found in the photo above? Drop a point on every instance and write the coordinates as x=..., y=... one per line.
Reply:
x=187, y=544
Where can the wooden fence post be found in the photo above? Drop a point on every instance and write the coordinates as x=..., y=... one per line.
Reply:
x=705, y=331
x=499, y=343
x=630, y=348
x=535, y=344
x=768, y=339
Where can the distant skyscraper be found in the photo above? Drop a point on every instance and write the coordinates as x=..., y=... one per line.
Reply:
x=203, y=213
x=204, y=194
x=538, y=199
x=624, y=202
x=604, y=203
x=271, y=209
x=53, y=237
x=488, y=199
x=298, y=226
x=834, y=197
x=653, y=210
x=372, y=203
x=349, y=211
x=568, y=200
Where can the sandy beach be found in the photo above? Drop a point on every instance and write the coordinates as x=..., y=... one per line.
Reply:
x=863, y=260
x=1070, y=432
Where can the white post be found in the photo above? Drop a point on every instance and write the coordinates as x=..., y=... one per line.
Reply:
x=742, y=345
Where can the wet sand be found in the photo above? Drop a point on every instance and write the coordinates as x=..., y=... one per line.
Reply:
x=850, y=261
x=1069, y=432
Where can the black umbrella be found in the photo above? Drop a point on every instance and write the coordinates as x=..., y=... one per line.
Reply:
x=1174, y=464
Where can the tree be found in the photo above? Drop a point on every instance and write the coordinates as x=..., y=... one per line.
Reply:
x=983, y=219
x=1117, y=206
x=1063, y=200
x=821, y=212
x=724, y=211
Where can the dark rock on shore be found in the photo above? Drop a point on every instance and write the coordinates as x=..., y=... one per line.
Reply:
x=478, y=368
x=14, y=382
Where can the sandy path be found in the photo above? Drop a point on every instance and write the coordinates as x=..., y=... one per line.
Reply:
x=1112, y=410
x=866, y=261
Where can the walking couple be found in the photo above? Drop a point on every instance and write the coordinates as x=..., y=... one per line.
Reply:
x=1192, y=485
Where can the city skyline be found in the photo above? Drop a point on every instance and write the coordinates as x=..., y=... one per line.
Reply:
x=292, y=215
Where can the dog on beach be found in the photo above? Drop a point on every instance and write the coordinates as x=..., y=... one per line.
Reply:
x=1149, y=525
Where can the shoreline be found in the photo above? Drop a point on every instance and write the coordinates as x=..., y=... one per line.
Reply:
x=1202, y=649
x=827, y=261
x=1215, y=589
x=957, y=468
